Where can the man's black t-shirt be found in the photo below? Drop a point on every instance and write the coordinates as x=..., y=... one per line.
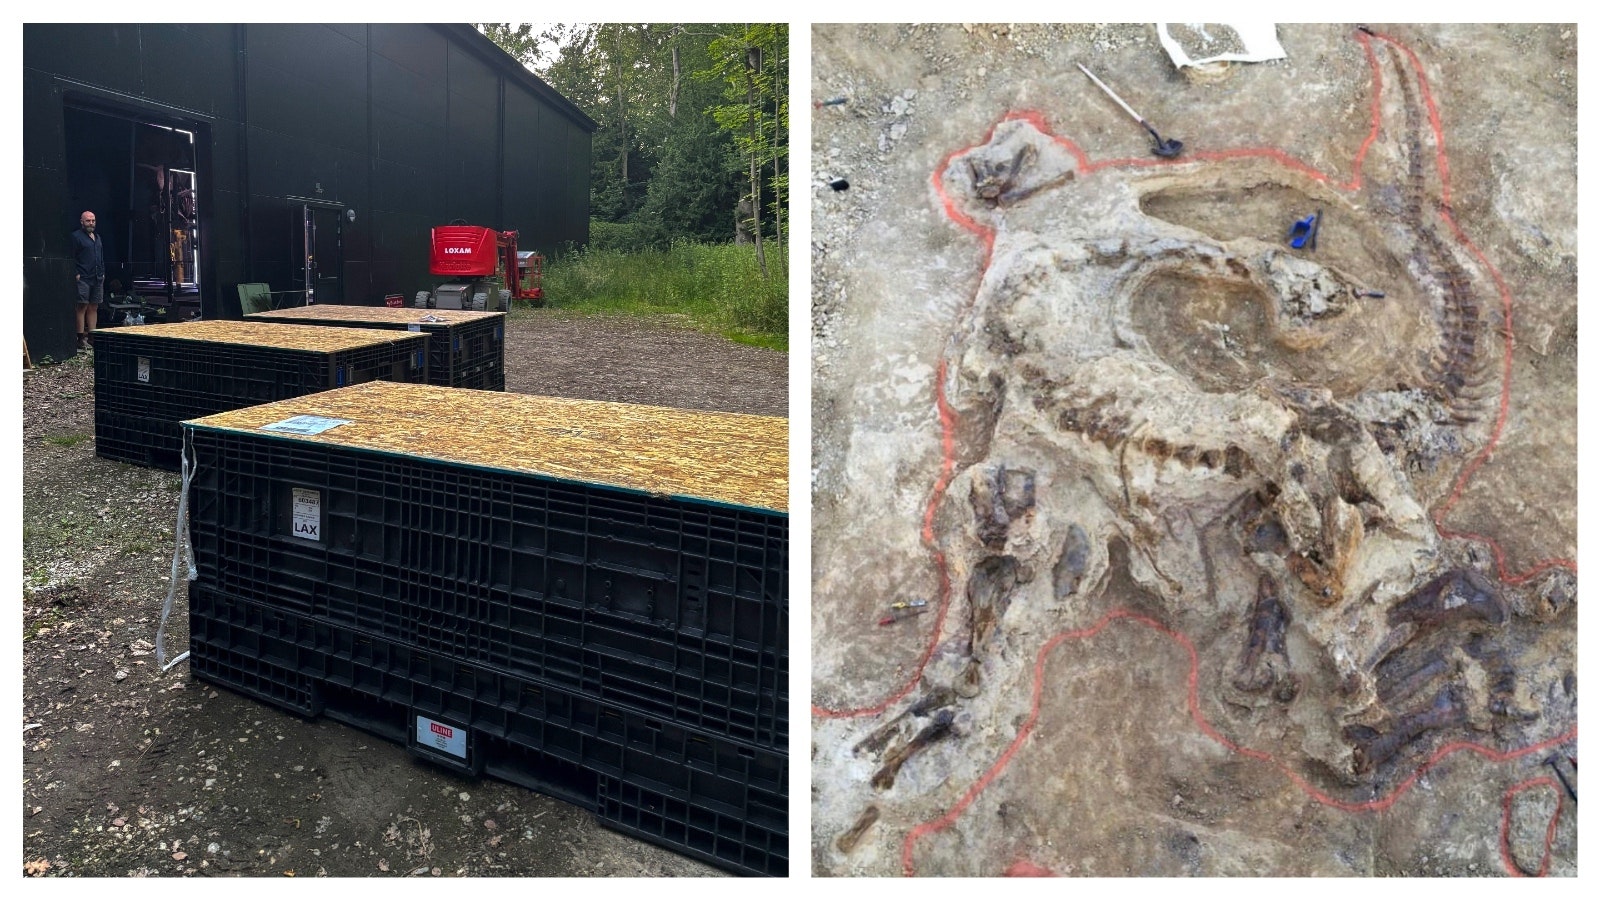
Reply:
x=88, y=254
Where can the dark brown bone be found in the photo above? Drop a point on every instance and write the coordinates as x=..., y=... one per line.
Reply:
x=1457, y=361
x=1263, y=533
x=1074, y=559
x=1459, y=595
x=847, y=842
x=1315, y=576
x=999, y=496
x=988, y=507
x=999, y=180
x=1373, y=749
x=1503, y=689
x=1412, y=682
x=989, y=590
x=994, y=178
x=936, y=698
x=1016, y=491
x=1265, y=663
x=936, y=730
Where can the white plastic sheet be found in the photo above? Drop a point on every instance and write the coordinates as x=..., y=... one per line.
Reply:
x=1260, y=40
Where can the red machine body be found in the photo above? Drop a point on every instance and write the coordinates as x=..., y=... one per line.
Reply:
x=464, y=251
x=472, y=252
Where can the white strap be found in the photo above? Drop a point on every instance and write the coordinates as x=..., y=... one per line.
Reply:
x=182, y=548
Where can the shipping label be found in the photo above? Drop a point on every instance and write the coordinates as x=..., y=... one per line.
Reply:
x=444, y=738
x=305, y=424
x=307, y=514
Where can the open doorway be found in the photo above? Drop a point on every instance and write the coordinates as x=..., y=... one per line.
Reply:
x=142, y=179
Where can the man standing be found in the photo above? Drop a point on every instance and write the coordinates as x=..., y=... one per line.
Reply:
x=89, y=257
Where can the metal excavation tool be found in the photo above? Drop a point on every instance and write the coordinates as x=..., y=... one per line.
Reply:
x=903, y=609
x=1167, y=148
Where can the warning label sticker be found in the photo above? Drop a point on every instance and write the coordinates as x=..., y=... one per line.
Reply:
x=144, y=369
x=307, y=514
x=305, y=424
x=444, y=738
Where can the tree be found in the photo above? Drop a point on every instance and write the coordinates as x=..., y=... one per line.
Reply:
x=684, y=114
x=690, y=192
x=517, y=40
x=694, y=185
x=618, y=74
x=746, y=60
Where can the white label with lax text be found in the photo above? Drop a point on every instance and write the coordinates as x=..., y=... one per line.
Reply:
x=307, y=514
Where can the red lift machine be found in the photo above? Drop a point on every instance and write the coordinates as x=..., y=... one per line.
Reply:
x=484, y=269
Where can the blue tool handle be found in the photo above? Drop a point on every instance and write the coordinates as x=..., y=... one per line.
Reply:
x=1301, y=232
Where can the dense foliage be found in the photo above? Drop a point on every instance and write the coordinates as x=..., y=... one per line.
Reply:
x=693, y=119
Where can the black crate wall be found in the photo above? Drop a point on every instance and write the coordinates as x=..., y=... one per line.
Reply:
x=460, y=354
x=146, y=385
x=625, y=652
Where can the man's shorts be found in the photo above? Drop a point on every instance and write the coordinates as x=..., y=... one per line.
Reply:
x=91, y=290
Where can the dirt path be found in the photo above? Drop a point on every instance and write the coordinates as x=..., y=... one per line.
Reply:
x=660, y=362
x=128, y=771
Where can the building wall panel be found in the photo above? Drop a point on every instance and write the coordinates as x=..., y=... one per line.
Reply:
x=401, y=122
x=191, y=66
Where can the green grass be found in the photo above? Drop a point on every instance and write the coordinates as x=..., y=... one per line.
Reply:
x=717, y=286
x=47, y=533
x=66, y=440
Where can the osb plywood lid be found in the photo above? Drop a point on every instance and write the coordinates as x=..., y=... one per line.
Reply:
x=384, y=314
x=316, y=338
x=726, y=458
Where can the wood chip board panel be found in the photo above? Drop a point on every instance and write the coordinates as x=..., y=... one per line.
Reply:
x=312, y=338
x=727, y=458
x=380, y=314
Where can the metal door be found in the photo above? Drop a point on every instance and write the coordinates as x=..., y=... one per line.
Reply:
x=323, y=242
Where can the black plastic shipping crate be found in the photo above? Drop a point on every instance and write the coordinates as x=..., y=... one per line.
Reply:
x=637, y=554
x=634, y=557
x=149, y=379
x=705, y=795
x=466, y=349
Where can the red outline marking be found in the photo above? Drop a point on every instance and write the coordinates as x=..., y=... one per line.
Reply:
x=1549, y=833
x=1446, y=213
x=1378, y=804
x=1023, y=868
x=947, y=424
x=1470, y=469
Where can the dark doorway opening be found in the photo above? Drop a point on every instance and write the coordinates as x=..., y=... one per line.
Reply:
x=142, y=179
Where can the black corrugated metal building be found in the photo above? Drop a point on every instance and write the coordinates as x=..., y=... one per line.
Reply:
x=308, y=157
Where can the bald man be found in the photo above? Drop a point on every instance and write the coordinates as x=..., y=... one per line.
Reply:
x=89, y=258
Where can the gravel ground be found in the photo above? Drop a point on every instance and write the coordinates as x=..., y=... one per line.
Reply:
x=129, y=771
